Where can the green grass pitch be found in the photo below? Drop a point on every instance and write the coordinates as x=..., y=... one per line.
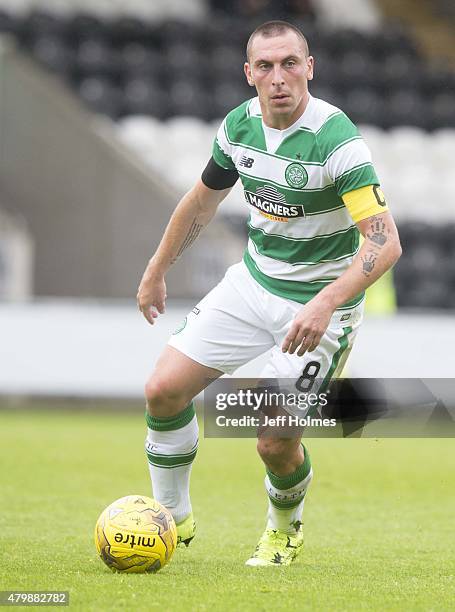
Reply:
x=378, y=520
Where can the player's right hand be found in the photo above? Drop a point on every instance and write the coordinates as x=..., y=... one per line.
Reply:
x=151, y=296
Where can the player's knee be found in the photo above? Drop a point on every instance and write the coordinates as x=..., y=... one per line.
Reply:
x=162, y=397
x=270, y=450
x=152, y=392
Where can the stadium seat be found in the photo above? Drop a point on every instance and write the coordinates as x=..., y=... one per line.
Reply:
x=141, y=133
x=184, y=62
x=175, y=31
x=40, y=23
x=142, y=96
x=442, y=111
x=442, y=146
x=362, y=14
x=84, y=25
x=187, y=98
x=405, y=107
x=101, y=96
x=227, y=62
x=363, y=103
x=52, y=52
x=424, y=276
x=426, y=293
x=437, y=79
x=328, y=93
x=345, y=41
x=194, y=132
x=128, y=29
x=356, y=67
x=138, y=61
x=406, y=144
x=399, y=70
x=326, y=70
x=9, y=24
x=227, y=96
x=95, y=58
x=391, y=38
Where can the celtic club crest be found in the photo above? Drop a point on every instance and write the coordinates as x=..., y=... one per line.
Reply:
x=296, y=175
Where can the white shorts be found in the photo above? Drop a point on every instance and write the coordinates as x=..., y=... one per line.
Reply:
x=239, y=320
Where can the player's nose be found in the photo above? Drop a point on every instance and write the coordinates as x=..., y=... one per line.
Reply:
x=277, y=76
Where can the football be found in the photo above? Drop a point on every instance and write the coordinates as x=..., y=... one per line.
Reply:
x=135, y=534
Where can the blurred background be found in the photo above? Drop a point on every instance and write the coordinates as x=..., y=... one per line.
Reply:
x=108, y=110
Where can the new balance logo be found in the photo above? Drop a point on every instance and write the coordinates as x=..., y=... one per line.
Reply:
x=247, y=162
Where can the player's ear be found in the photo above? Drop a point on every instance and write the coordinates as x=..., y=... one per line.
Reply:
x=310, y=66
x=249, y=76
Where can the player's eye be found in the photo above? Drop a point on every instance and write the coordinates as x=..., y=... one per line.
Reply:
x=290, y=64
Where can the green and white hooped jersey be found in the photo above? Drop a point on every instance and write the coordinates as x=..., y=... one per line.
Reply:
x=301, y=235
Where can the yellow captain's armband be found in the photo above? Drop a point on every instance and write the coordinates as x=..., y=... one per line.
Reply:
x=365, y=202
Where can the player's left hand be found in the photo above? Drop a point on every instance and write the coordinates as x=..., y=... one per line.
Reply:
x=308, y=327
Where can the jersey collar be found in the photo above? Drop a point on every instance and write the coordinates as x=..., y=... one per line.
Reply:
x=273, y=136
x=303, y=121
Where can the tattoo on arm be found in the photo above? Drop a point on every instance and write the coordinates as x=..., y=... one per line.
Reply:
x=191, y=236
x=368, y=262
x=377, y=232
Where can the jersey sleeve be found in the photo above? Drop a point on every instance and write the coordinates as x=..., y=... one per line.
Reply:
x=221, y=151
x=349, y=163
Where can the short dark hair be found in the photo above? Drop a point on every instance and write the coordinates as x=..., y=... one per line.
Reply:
x=275, y=28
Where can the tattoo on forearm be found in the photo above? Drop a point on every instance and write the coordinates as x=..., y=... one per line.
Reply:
x=191, y=236
x=193, y=233
x=368, y=262
x=377, y=232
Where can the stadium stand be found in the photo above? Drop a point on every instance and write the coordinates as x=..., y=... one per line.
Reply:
x=431, y=23
x=125, y=66
x=142, y=9
x=167, y=82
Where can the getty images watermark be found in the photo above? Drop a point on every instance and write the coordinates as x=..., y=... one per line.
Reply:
x=374, y=407
x=262, y=401
x=243, y=408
